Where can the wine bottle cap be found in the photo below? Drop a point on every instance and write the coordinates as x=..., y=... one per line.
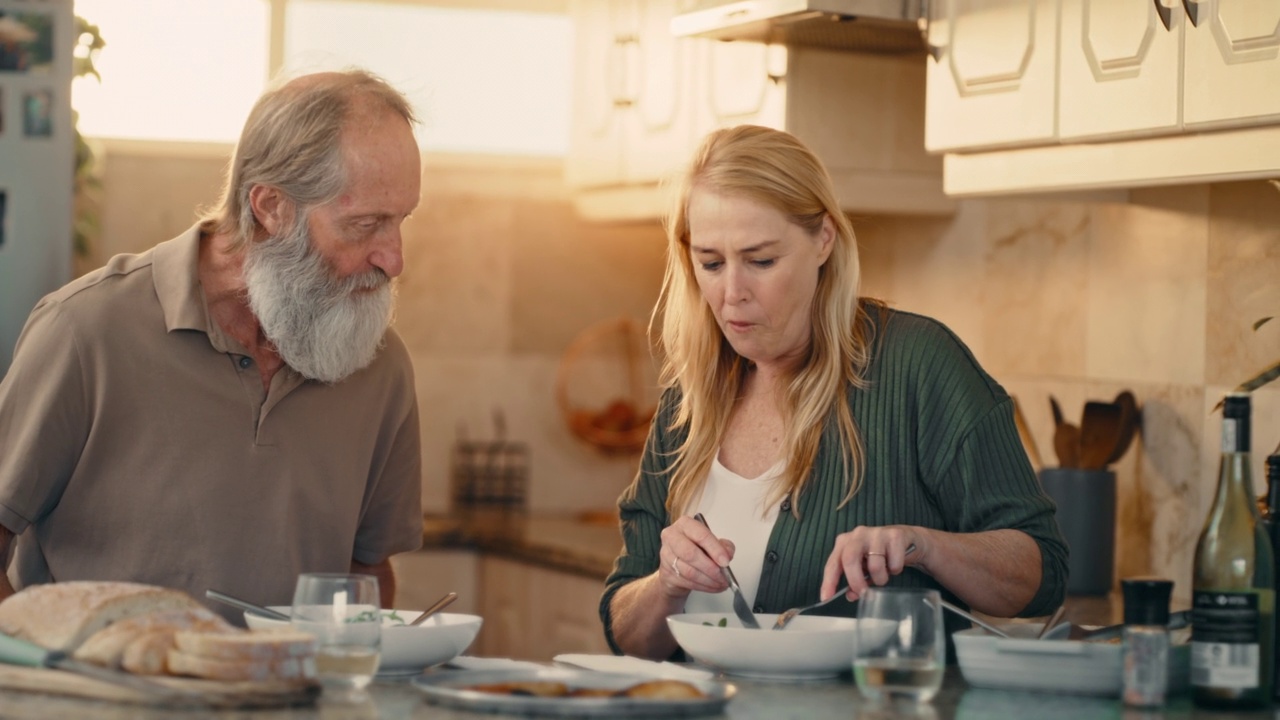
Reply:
x=1235, y=405
x=1146, y=600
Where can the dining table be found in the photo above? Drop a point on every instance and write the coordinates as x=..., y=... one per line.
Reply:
x=834, y=699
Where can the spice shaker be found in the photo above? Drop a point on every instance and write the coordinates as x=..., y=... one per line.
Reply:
x=1146, y=640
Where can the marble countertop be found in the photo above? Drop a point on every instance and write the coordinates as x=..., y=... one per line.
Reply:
x=582, y=544
x=836, y=699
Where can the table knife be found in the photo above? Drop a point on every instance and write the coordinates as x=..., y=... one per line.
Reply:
x=14, y=651
x=740, y=606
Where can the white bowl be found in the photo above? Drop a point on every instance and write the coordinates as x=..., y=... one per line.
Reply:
x=810, y=647
x=1022, y=662
x=407, y=650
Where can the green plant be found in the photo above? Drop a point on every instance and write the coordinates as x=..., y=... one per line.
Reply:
x=1267, y=375
x=88, y=42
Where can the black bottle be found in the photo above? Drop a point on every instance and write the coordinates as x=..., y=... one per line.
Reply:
x=1271, y=521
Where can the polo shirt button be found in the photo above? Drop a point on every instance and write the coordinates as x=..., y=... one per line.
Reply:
x=758, y=609
x=786, y=505
x=771, y=556
x=245, y=362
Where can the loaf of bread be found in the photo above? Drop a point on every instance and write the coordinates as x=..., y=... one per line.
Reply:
x=108, y=646
x=61, y=616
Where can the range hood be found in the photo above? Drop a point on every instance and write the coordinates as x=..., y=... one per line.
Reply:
x=875, y=26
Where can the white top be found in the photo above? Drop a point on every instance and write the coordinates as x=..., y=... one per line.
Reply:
x=732, y=506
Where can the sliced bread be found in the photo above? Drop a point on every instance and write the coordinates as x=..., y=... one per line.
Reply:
x=61, y=616
x=250, y=647
x=293, y=668
x=107, y=646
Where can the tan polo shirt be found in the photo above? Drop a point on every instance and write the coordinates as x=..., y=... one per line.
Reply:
x=137, y=443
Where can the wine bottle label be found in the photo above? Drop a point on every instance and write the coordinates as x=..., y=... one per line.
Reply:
x=1230, y=435
x=1226, y=640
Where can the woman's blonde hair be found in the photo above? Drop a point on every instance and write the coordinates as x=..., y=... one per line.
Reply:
x=776, y=169
x=292, y=141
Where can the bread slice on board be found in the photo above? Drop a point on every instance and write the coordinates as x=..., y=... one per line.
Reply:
x=294, y=668
x=250, y=647
x=61, y=616
x=107, y=646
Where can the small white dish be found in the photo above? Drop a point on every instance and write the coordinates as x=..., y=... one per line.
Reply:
x=810, y=648
x=407, y=650
x=1022, y=662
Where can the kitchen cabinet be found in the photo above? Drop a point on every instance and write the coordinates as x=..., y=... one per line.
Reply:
x=1119, y=68
x=641, y=108
x=631, y=121
x=535, y=613
x=1232, y=63
x=1145, y=93
x=991, y=79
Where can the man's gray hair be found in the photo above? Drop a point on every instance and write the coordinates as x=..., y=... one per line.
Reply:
x=292, y=141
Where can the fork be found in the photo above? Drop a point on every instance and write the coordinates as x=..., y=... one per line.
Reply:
x=787, y=616
x=740, y=606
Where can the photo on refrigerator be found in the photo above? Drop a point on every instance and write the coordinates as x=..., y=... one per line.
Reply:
x=37, y=113
x=26, y=42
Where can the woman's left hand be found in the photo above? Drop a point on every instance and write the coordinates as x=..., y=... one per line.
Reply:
x=877, y=552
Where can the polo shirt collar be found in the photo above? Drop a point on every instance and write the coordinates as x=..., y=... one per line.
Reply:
x=177, y=280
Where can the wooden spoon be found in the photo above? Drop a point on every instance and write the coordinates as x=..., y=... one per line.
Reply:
x=1100, y=430
x=1130, y=420
x=1066, y=438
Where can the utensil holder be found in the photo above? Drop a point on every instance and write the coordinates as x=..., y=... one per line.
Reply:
x=1086, y=501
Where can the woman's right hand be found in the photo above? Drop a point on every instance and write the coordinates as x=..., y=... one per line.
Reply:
x=691, y=558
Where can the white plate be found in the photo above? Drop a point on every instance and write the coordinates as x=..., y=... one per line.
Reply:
x=447, y=688
x=810, y=648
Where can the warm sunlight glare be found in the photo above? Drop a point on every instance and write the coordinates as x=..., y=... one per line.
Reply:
x=482, y=81
x=185, y=70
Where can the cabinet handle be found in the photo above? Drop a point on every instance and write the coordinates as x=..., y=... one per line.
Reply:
x=1193, y=11
x=1165, y=14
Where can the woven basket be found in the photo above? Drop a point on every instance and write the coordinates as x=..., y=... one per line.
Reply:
x=615, y=354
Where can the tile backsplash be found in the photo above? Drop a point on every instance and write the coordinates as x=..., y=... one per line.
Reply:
x=1073, y=298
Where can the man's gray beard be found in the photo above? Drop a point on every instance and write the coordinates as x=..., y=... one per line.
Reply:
x=319, y=324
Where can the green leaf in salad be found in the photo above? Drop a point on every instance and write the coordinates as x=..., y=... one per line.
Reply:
x=724, y=622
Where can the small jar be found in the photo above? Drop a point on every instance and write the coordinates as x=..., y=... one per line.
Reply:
x=1146, y=641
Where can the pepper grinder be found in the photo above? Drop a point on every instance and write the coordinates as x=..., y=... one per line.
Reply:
x=1146, y=641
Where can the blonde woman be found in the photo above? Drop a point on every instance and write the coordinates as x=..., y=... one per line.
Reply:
x=820, y=433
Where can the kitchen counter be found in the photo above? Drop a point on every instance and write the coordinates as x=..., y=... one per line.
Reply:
x=569, y=543
x=837, y=699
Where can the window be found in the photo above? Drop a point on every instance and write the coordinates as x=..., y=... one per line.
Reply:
x=483, y=81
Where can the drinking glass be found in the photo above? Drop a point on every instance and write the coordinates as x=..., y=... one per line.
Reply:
x=342, y=611
x=900, y=649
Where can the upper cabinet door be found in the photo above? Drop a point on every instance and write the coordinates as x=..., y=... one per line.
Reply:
x=742, y=82
x=604, y=33
x=991, y=81
x=1118, y=71
x=1232, y=62
x=659, y=132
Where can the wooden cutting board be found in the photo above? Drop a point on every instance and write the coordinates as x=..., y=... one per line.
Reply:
x=211, y=693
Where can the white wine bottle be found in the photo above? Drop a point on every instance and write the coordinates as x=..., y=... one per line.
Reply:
x=1233, y=583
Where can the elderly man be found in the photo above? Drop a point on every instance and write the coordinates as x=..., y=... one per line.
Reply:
x=230, y=408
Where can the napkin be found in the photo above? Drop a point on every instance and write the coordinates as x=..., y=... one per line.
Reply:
x=467, y=662
x=634, y=666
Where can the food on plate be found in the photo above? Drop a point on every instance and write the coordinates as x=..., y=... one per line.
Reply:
x=532, y=687
x=724, y=622
x=664, y=690
x=652, y=689
x=150, y=630
x=62, y=616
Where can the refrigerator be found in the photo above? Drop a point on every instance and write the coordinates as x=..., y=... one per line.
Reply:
x=37, y=158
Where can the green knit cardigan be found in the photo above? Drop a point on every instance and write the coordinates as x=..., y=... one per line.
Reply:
x=942, y=451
